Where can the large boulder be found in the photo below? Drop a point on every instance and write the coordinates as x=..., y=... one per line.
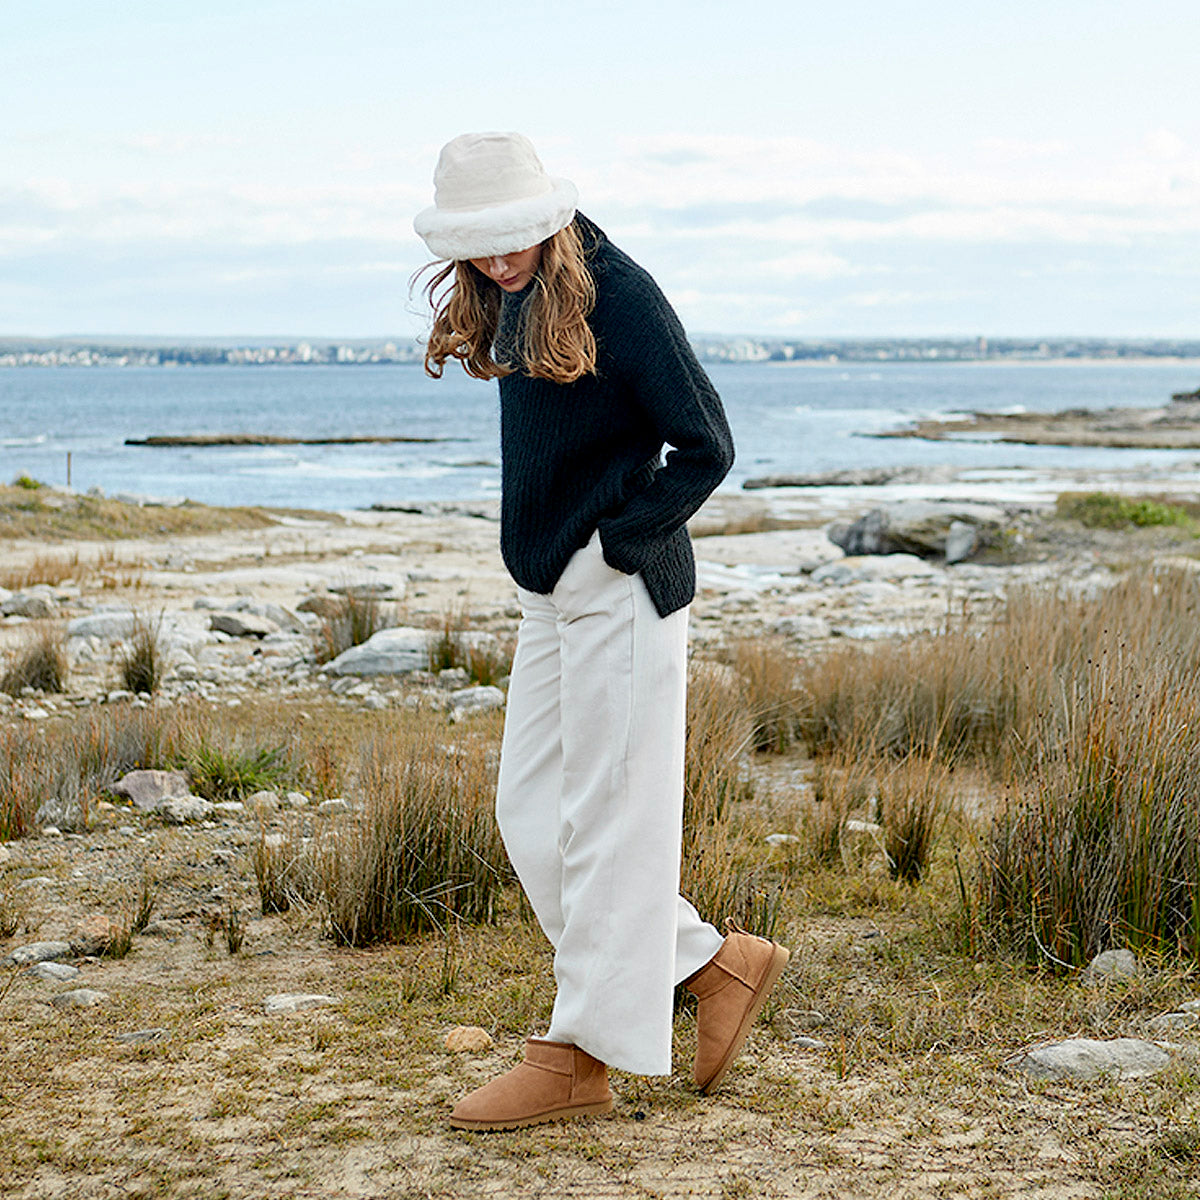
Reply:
x=927, y=528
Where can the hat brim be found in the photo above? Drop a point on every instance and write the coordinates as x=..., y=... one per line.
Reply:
x=501, y=229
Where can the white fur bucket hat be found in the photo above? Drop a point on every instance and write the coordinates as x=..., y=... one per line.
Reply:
x=492, y=196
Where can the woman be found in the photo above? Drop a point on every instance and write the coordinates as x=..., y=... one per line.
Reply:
x=596, y=376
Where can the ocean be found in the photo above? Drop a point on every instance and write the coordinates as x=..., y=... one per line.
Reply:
x=786, y=419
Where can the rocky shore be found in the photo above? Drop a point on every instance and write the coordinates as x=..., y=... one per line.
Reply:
x=1173, y=427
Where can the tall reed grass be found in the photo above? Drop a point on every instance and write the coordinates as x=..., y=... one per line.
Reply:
x=427, y=851
x=987, y=689
x=719, y=872
x=39, y=663
x=1103, y=848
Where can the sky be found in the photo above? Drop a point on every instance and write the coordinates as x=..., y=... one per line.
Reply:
x=857, y=169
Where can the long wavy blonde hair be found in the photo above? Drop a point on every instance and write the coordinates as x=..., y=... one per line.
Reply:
x=554, y=341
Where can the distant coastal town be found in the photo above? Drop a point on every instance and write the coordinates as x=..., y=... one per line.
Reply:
x=135, y=352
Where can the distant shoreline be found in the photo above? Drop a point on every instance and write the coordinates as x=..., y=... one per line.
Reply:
x=269, y=439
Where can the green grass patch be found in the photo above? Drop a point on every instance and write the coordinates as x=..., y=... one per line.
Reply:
x=1105, y=510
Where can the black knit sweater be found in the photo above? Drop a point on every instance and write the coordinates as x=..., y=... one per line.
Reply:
x=587, y=455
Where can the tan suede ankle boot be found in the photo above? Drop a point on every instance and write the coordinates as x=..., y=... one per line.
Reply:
x=732, y=988
x=556, y=1081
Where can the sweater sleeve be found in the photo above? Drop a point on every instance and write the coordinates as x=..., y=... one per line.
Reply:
x=658, y=368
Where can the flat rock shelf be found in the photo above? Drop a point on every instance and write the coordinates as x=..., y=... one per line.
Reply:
x=271, y=439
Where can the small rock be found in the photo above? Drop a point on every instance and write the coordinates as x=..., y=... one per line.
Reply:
x=242, y=624
x=1111, y=964
x=93, y=935
x=290, y=1002
x=142, y=1035
x=857, y=825
x=5, y=853
x=110, y=624
x=264, y=801
x=35, y=714
x=35, y=605
x=1191, y=1006
x=37, y=952
x=468, y=1039
x=962, y=540
x=1087, y=1058
x=148, y=789
x=296, y=800
x=337, y=805
x=809, y=1043
x=229, y=807
x=179, y=810
x=475, y=700
x=59, y=972
x=781, y=839
x=79, y=998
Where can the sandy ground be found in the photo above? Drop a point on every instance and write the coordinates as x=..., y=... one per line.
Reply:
x=350, y=1100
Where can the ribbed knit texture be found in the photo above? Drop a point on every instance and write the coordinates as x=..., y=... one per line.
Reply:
x=587, y=455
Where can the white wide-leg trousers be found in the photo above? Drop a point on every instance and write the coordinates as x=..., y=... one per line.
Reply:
x=590, y=805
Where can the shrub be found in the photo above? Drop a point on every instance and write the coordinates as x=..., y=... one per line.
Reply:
x=1104, y=510
x=427, y=851
x=27, y=483
x=40, y=664
x=142, y=663
x=235, y=770
x=986, y=688
x=842, y=784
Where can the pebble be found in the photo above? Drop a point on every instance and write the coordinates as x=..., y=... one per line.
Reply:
x=290, y=1002
x=296, y=800
x=142, y=1035
x=809, y=1043
x=336, y=805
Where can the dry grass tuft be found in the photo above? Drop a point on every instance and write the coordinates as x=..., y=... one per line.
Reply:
x=40, y=664
x=142, y=663
x=355, y=621
x=1103, y=848
x=769, y=672
x=912, y=802
x=484, y=665
x=426, y=852
x=718, y=875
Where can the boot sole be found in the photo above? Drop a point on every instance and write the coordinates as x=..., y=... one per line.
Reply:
x=555, y=1114
x=778, y=961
